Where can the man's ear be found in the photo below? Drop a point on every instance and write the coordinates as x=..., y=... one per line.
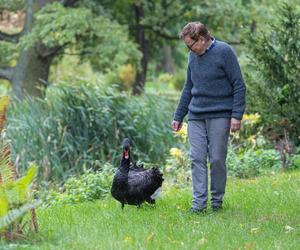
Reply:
x=202, y=39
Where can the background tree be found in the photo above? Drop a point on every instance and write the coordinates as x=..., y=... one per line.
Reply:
x=51, y=28
x=154, y=26
x=275, y=88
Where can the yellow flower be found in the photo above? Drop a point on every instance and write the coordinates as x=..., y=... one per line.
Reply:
x=251, y=118
x=176, y=152
x=183, y=132
x=252, y=139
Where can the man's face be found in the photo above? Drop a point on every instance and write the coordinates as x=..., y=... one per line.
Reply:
x=197, y=47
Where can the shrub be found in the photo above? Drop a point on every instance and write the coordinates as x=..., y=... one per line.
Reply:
x=123, y=77
x=177, y=167
x=275, y=89
x=165, y=78
x=250, y=163
x=179, y=79
x=89, y=186
x=127, y=76
x=16, y=197
x=243, y=160
x=79, y=127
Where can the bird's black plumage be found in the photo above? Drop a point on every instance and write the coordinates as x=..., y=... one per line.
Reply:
x=134, y=185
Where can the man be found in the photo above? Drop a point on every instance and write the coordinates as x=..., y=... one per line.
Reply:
x=214, y=98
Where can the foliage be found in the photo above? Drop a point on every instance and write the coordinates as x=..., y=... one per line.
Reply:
x=105, y=44
x=177, y=167
x=179, y=79
x=9, y=54
x=79, y=127
x=15, y=194
x=89, y=186
x=152, y=24
x=226, y=19
x=249, y=154
x=12, y=5
x=275, y=56
x=165, y=78
x=127, y=76
x=295, y=159
x=251, y=135
x=252, y=162
x=15, y=214
x=122, y=76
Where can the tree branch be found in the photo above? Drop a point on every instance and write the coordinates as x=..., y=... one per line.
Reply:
x=161, y=34
x=235, y=42
x=13, y=38
x=68, y=3
x=44, y=52
x=168, y=4
x=6, y=73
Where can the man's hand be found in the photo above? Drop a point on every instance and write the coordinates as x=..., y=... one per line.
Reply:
x=235, y=125
x=176, y=126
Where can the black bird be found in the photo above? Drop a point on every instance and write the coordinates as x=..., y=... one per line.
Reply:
x=134, y=185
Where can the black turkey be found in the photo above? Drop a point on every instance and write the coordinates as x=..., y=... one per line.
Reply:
x=134, y=185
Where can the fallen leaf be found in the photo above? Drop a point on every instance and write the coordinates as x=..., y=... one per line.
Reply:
x=254, y=230
x=249, y=245
x=150, y=237
x=203, y=241
x=288, y=228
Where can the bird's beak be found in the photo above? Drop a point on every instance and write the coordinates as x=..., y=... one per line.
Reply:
x=126, y=153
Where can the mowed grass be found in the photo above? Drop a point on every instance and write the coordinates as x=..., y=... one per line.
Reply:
x=262, y=213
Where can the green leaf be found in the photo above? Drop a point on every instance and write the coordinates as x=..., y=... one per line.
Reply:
x=16, y=213
x=3, y=202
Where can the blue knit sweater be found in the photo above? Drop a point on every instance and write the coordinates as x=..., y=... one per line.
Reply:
x=214, y=86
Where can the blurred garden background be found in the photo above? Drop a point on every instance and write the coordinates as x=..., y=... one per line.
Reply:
x=81, y=75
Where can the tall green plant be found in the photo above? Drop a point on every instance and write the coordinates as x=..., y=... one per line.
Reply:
x=275, y=56
x=15, y=195
x=81, y=127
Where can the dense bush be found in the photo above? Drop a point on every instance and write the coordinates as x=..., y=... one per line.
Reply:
x=252, y=162
x=179, y=79
x=123, y=77
x=274, y=75
x=79, y=127
x=249, y=155
x=177, y=167
x=89, y=186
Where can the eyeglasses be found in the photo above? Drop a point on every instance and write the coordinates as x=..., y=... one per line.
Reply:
x=190, y=47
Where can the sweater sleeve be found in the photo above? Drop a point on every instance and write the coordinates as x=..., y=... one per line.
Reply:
x=235, y=77
x=185, y=98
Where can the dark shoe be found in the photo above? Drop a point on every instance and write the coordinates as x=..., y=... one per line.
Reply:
x=216, y=208
x=197, y=210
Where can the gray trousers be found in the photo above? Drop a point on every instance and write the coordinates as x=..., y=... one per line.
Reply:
x=208, y=138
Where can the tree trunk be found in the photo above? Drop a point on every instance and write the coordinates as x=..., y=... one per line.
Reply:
x=168, y=64
x=30, y=75
x=140, y=78
x=32, y=69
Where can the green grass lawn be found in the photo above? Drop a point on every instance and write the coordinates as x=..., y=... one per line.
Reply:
x=262, y=213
